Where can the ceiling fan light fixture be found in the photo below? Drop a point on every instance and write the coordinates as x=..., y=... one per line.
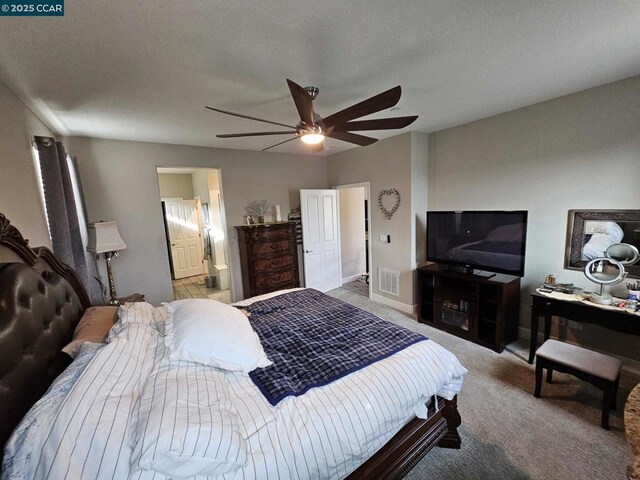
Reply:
x=313, y=129
x=312, y=138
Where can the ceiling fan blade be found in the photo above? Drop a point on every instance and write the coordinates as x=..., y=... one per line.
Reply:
x=250, y=118
x=318, y=147
x=378, y=124
x=255, y=134
x=371, y=105
x=264, y=149
x=353, y=138
x=303, y=102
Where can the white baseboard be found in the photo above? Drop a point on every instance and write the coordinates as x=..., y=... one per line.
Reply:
x=403, y=307
x=351, y=278
x=628, y=364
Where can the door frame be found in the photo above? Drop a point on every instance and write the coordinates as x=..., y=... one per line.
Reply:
x=223, y=215
x=367, y=196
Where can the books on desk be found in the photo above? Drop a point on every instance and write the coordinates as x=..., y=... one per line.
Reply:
x=566, y=288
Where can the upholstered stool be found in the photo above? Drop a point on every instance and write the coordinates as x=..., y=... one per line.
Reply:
x=601, y=371
x=632, y=428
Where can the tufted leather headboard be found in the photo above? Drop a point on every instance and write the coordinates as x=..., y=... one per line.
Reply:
x=41, y=301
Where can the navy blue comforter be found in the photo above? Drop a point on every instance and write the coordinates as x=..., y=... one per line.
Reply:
x=313, y=339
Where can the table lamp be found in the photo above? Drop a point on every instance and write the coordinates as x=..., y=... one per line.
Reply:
x=105, y=238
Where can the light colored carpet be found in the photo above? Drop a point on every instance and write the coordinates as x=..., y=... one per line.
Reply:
x=357, y=286
x=506, y=432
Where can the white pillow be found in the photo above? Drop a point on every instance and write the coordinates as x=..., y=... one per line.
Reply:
x=186, y=424
x=596, y=246
x=611, y=229
x=141, y=312
x=137, y=314
x=212, y=333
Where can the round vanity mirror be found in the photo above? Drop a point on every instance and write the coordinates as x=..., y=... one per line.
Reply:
x=623, y=252
x=604, y=271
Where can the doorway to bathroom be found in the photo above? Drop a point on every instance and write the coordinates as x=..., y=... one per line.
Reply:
x=194, y=222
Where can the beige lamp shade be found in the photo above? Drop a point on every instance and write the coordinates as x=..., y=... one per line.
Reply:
x=104, y=237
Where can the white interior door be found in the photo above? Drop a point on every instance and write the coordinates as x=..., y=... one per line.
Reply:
x=320, y=239
x=184, y=235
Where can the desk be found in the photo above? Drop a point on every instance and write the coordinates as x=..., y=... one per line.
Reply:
x=547, y=307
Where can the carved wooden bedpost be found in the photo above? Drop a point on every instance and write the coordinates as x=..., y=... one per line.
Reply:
x=451, y=439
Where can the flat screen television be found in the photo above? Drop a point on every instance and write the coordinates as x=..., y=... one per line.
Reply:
x=492, y=241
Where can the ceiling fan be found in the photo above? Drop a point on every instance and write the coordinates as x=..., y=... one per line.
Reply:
x=313, y=129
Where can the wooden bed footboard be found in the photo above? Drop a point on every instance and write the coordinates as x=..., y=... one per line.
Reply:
x=400, y=454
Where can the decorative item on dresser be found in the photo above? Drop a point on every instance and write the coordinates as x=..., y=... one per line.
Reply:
x=258, y=209
x=268, y=257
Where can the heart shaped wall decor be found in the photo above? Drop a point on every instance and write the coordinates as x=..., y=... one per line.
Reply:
x=395, y=195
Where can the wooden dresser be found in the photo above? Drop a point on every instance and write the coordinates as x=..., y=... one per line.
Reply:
x=268, y=257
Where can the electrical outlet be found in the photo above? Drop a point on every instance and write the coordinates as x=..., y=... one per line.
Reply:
x=574, y=325
x=562, y=322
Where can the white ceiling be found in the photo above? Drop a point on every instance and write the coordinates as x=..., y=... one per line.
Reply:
x=144, y=69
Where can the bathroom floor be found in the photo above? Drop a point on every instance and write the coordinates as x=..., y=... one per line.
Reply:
x=194, y=287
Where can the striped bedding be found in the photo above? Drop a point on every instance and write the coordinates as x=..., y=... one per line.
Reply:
x=100, y=428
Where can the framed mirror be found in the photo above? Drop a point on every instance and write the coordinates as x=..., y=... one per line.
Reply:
x=591, y=232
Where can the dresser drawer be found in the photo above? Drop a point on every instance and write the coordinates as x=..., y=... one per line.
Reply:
x=271, y=235
x=285, y=277
x=270, y=248
x=285, y=261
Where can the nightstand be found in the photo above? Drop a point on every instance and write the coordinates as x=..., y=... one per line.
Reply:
x=136, y=297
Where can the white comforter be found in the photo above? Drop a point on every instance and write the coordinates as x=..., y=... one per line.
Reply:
x=95, y=432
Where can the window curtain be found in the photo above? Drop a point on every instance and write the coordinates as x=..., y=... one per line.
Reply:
x=66, y=212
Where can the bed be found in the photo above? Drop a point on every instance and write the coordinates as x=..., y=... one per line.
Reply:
x=504, y=255
x=42, y=302
x=500, y=248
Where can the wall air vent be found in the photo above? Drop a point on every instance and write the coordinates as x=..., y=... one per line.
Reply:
x=389, y=280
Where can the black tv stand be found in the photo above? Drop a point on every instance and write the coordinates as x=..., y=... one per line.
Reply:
x=481, y=309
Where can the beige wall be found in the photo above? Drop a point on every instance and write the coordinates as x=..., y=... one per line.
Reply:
x=352, y=234
x=20, y=197
x=419, y=162
x=580, y=151
x=120, y=183
x=176, y=185
x=385, y=164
